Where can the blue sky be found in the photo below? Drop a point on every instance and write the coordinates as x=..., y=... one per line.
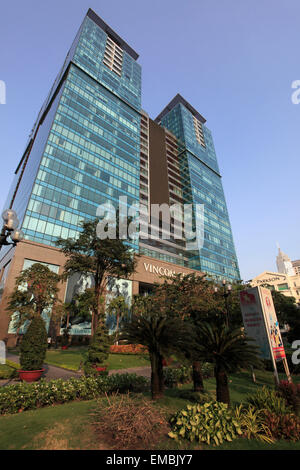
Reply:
x=233, y=60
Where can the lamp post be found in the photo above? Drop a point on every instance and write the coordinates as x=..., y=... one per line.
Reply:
x=10, y=229
x=226, y=291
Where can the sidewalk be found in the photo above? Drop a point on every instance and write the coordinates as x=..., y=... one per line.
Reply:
x=53, y=372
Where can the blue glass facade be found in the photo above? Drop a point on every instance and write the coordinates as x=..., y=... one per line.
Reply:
x=202, y=185
x=86, y=152
x=87, y=146
x=89, y=56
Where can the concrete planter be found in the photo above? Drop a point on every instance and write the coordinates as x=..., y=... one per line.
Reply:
x=30, y=375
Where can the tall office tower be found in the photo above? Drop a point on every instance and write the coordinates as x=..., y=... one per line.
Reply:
x=158, y=188
x=92, y=144
x=84, y=148
x=201, y=184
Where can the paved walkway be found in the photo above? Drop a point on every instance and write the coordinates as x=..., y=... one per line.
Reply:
x=53, y=372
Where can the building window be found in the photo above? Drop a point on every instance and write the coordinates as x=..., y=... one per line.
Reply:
x=113, y=56
x=199, y=132
x=283, y=287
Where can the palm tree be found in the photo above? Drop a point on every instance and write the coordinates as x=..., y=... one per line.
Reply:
x=160, y=333
x=229, y=351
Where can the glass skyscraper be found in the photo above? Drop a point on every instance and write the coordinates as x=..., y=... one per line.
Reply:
x=92, y=143
x=201, y=184
x=84, y=147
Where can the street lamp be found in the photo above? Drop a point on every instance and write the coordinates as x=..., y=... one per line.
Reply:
x=225, y=292
x=10, y=229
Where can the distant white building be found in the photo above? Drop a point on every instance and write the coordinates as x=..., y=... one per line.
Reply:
x=284, y=264
x=287, y=285
x=286, y=280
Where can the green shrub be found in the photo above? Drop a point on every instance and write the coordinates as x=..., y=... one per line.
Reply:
x=123, y=383
x=283, y=426
x=26, y=396
x=212, y=422
x=253, y=423
x=197, y=397
x=34, y=345
x=98, y=350
x=267, y=399
x=65, y=338
x=207, y=370
x=174, y=376
x=291, y=393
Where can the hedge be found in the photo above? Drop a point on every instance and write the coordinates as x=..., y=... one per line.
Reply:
x=128, y=349
x=27, y=396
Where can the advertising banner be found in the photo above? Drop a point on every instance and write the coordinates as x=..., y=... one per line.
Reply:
x=78, y=325
x=77, y=284
x=260, y=322
x=272, y=324
x=253, y=318
x=46, y=314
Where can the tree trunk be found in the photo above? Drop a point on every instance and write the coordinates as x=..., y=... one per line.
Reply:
x=197, y=377
x=94, y=322
x=96, y=312
x=117, y=329
x=54, y=330
x=99, y=308
x=222, y=387
x=157, y=379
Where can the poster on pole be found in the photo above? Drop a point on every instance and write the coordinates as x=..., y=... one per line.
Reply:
x=46, y=314
x=260, y=322
x=272, y=324
x=77, y=284
x=253, y=318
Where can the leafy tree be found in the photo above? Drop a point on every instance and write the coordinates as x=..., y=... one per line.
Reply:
x=100, y=258
x=35, y=291
x=235, y=318
x=120, y=309
x=34, y=345
x=65, y=336
x=192, y=298
x=159, y=332
x=229, y=351
x=288, y=312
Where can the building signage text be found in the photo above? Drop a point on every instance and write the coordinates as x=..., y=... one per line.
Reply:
x=160, y=270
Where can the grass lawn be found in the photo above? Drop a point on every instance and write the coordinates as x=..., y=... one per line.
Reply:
x=69, y=426
x=8, y=370
x=58, y=427
x=241, y=384
x=71, y=358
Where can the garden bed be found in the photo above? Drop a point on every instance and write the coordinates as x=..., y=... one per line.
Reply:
x=70, y=426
